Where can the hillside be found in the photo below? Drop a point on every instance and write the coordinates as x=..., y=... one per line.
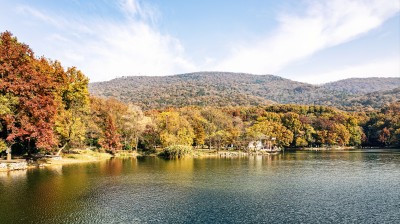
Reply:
x=363, y=85
x=232, y=89
x=373, y=99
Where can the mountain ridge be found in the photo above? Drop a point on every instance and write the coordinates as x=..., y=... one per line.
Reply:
x=241, y=89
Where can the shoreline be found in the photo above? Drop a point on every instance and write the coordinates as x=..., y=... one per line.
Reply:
x=81, y=156
x=337, y=148
x=78, y=156
x=89, y=156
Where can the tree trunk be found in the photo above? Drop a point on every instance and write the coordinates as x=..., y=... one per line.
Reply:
x=8, y=154
x=136, y=143
x=59, y=151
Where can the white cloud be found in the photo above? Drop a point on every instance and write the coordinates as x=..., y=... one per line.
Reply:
x=325, y=24
x=104, y=49
x=39, y=15
x=133, y=49
x=380, y=68
x=134, y=9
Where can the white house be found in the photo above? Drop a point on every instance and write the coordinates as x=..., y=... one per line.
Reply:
x=255, y=145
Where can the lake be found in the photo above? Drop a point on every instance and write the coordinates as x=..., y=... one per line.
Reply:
x=295, y=187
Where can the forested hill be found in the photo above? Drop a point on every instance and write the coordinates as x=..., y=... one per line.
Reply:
x=364, y=85
x=232, y=89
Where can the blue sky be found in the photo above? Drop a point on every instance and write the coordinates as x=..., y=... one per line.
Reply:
x=311, y=41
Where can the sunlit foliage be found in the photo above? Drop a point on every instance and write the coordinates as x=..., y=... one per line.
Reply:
x=46, y=107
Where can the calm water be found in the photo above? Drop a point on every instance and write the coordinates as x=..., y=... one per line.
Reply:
x=302, y=187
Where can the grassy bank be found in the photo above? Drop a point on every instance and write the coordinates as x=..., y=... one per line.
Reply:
x=78, y=156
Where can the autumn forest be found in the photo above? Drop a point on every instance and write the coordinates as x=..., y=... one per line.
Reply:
x=45, y=107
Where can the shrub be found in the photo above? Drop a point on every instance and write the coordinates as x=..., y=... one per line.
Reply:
x=3, y=145
x=176, y=151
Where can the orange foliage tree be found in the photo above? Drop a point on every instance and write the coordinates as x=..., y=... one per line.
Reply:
x=32, y=82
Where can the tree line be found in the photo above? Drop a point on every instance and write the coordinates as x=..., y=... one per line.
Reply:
x=44, y=107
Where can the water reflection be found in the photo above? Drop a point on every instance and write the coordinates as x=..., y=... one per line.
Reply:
x=289, y=187
x=7, y=177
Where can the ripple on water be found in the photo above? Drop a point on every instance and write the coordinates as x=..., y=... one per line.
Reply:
x=301, y=187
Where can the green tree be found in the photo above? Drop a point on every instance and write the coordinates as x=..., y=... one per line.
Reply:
x=292, y=122
x=271, y=129
x=216, y=121
x=174, y=129
x=198, y=122
x=342, y=134
x=73, y=112
x=135, y=123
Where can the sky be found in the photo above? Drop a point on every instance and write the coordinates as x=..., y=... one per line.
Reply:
x=313, y=41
